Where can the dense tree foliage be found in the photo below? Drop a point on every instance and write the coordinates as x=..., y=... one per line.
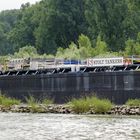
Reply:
x=23, y=32
x=8, y=20
x=73, y=28
x=61, y=22
x=114, y=20
x=83, y=49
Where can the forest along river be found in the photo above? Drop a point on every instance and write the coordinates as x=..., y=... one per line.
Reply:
x=68, y=127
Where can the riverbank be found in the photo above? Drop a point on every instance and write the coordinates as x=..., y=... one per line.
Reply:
x=87, y=105
x=67, y=109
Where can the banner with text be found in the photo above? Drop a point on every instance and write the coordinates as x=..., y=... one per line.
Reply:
x=116, y=61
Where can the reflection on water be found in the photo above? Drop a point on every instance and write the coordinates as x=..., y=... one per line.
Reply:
x=68, y=127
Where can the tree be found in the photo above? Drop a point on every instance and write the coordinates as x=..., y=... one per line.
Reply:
x=72, y=52
x=81, y=51
x=51, y=24
x=23, y=32
x=8, y=20
x=85, y=47
x=101, y=46
x=114, y=20
x=26, y=52
x=130, y=47
x=61, y=22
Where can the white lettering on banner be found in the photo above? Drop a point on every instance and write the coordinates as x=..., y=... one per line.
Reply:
x=105, y=61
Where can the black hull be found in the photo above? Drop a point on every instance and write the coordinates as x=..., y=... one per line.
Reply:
x=117, y=86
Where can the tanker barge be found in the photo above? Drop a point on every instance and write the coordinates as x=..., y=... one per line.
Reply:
x=106, y=78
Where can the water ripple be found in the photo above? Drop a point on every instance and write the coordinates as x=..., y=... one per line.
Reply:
x=67, y=127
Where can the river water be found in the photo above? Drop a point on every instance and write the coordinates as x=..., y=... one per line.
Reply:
x=14, y=126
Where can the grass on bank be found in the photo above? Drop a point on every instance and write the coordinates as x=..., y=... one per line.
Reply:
x=7, y=101
x=35, y=104
x=31, y=101
x=80, y=105
x=133, y=102
x=84, y=105
x=100, y=105
x=47, y=101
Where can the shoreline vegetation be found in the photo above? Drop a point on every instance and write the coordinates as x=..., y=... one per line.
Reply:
x=88, y=105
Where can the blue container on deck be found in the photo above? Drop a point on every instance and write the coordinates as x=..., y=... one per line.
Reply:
x=73, y=62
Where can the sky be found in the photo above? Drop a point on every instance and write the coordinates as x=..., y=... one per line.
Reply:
x=14, y=4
